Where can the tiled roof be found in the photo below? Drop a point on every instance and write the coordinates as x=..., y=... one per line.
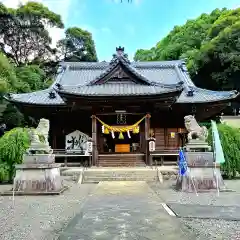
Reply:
x=156, y=77
x=39, y=97
x=202, y=95
x=118, y=89
x=83, y=73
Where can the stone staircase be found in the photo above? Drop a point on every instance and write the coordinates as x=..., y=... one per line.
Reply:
x=121, y=160
x=96, y=175
x=120, y=175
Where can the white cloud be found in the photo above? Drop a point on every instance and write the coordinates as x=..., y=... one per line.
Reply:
x=236, y=6
x=56, y=34
x=60, y=7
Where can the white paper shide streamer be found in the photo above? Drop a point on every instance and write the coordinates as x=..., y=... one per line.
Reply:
x=112, y=132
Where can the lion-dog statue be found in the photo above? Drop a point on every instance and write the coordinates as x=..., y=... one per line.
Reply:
x=194, y=130
x=39, y=136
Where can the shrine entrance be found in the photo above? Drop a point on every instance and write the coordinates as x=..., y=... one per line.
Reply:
x=121, y=133
x=121, y=143
x=121, y=139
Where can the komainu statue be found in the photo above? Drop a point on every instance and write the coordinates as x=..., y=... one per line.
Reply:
x=194, y=130
x=43, y=131
x=39, y=137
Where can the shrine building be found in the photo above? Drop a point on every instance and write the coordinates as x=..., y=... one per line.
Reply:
x=120, y=105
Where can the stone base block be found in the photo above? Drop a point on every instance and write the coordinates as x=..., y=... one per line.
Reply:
x=25, y=193
x=197, y=145
x=38, y=179
x=39, y=158
x=204, y=179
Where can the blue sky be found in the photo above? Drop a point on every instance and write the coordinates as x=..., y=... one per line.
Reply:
x=140, y=24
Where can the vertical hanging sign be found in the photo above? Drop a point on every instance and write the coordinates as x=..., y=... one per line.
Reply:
x=151, y=144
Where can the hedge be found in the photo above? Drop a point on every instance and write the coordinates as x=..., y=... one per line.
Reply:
x=13, y=145
x=230, y=140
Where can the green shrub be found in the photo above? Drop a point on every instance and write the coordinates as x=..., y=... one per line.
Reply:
x=230, y=140
x=13, y=145
x=4, y=172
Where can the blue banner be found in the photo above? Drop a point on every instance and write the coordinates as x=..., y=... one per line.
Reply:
x=182, y=163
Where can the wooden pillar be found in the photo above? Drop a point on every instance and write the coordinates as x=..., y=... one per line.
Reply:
x=147, y=130
x=94, y=139
x=54, y=132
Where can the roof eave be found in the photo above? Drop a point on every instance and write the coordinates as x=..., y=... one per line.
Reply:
x=209, y=101
x=176, y=90
x=11, y=100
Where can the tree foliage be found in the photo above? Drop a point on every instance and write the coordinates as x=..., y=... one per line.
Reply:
x=211, y=46
x=28, y=62
x=78, y=45
x=230, y=140
x=23, y=32
x=13, y=145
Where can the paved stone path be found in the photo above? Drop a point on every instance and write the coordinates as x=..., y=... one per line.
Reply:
x=230, y=213
x=124, y=210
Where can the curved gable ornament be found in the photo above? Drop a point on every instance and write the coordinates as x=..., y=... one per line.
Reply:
x=77, y=141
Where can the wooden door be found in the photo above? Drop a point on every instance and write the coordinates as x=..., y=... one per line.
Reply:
x=160, y=139
x=172, y=138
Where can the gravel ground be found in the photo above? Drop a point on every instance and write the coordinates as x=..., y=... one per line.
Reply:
x=44, y=217
x=40, y=217
x=209, y=228
x=167, y=193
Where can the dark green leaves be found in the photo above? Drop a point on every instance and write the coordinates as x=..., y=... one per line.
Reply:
x=24, y=34
x=78, y=45
x=13, y=145
x=211, y=45
x=230, y=140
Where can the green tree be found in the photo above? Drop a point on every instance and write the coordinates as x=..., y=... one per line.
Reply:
x=211, y=46
x=23, y=32
x=19, y=79
x=33, y=77
x=27, y=60
x=230, y=140
x=13, y=145
x=77, y=45
x=12, y=117
x=8, y=80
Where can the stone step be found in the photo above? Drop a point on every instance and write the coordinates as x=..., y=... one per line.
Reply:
x=101, y=179
x=121, y=160
x=119, y=174
x=71, y=171
x=121, y=165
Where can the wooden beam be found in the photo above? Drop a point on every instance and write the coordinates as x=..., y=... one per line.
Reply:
x=115, y=113
x=147, y=129
x=94, y=139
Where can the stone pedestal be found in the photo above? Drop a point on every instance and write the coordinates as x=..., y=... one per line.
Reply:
x=197, y=145
x=38, y=174
x=202, y=172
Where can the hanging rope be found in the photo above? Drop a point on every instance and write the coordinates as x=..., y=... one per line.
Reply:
x=121, y=129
